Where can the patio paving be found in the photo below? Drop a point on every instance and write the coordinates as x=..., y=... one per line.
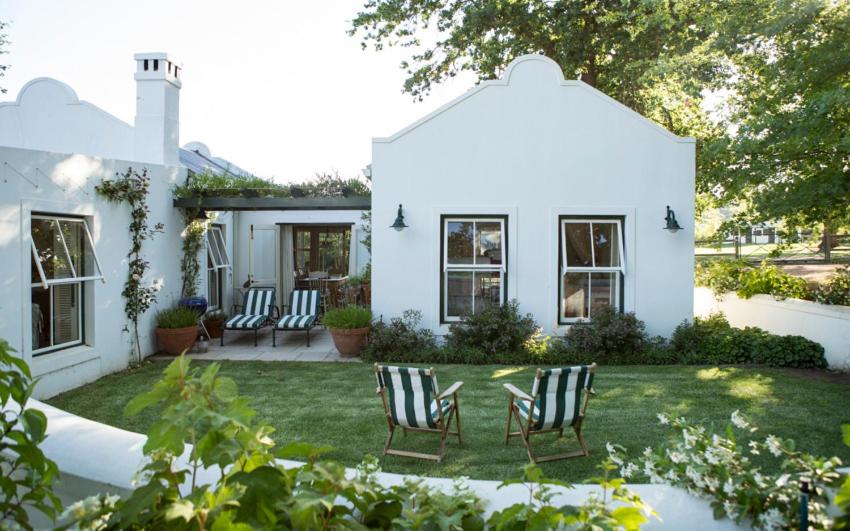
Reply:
x=291, y=346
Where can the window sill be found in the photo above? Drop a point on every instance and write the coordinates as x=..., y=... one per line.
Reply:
x=61, y=359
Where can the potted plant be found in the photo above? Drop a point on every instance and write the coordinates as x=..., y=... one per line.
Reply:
x=349, y=327
x=177, y=329
x=213, y=322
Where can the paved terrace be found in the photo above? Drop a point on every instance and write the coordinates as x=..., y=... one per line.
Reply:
x=291, y=346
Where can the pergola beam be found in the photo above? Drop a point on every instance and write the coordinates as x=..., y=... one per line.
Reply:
x=275, y=203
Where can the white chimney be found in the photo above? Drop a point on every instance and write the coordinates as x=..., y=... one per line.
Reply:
x=157, y=131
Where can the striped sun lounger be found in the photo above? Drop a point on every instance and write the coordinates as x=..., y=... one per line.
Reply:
x=558, y=400
x=413, y=402
x=303, y=313
x=257, y=310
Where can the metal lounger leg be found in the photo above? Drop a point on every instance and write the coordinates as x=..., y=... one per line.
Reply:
x=308, y=337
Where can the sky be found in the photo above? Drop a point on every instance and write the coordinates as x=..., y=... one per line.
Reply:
x=276, y=87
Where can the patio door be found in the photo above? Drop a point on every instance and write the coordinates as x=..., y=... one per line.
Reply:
x=264, y=256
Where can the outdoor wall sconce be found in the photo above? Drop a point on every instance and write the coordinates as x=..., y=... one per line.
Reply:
x=672, y=224
x=399, y=225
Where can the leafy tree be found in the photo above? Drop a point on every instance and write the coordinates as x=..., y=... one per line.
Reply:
x=656, y=57
x=789, y=157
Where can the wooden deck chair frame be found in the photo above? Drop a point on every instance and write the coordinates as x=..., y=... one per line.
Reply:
x=442, y=423
x=526, y=427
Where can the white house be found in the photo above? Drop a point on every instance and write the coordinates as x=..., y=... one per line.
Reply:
x=539, y=189
x=68, y=323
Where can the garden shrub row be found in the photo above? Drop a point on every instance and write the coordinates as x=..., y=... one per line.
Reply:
x=503, y=335
x=723, y=276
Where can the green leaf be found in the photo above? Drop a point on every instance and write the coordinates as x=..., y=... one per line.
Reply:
x=631, y=518
x=182, y=508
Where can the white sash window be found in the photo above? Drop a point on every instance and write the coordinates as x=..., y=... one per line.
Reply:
x=474, y=264
x=63, y=259
x=592, y=266
x=217, y=261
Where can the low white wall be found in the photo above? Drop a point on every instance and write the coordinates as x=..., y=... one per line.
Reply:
x=96, y=458
x=826, y=324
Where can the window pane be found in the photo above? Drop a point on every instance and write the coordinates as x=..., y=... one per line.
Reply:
x=487, y=289
x=77, y=243
x=489, y=240
x=577, y=240
x=576, y=295
x=333, y=251
x=603, y=290
x=461, y=242
x=213, y=249
x=51, y=254
x=40, y=317
x=66, y=313
x=212, y=288
x=218, y=240
x=606, y=244
x=458, y=293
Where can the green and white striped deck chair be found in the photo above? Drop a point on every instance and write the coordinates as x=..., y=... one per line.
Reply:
x=558, y=400
x=302, y=314
x=413, y=402
x=257, y=311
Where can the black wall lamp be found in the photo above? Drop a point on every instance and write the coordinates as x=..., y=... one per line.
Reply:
x=398, y=224
x=672, y=224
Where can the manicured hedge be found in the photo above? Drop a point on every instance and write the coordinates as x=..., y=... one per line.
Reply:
x=505, y=336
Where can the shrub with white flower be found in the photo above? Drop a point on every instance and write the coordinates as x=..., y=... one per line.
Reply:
x=716, y=467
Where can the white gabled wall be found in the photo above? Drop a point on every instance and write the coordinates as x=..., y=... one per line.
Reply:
x=38, y=181
x=534, y=146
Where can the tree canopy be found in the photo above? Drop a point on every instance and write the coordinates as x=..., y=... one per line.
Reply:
x=781, y=145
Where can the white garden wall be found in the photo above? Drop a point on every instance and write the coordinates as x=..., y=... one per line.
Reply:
x=828, y=325
x=55, y=183
x=95, y=458
x=534, y=146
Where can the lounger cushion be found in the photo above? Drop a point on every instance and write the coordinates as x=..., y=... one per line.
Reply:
x=296, y=322
x=245, y=322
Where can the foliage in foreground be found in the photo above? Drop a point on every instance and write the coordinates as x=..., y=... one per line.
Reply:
x=231, y=479
x=27, y=475
x=719, y=467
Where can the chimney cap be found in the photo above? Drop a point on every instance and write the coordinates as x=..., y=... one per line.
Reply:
x=157, y=66
x=156, y=55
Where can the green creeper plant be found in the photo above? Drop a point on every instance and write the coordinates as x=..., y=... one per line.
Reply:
x=132, y=188
x=193, y=242
x=27, y=474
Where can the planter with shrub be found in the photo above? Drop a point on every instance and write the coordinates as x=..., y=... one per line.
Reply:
x=349, y=327
x=177, y=329
x=214, y=322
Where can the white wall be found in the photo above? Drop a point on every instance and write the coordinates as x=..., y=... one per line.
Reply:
x=534, y=147
x=244, y=220
x=64, y=184
x=828, y=325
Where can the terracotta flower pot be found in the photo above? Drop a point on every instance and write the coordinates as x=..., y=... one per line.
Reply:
x=176, y=340
x=214, y=328
x=349, y=343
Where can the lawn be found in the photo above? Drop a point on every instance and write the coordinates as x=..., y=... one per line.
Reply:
x=335, y=404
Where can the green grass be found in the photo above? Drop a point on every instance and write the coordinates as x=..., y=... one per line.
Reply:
x=335, y=404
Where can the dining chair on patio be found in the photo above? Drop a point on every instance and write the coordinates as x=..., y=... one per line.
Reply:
x=413, y=402
x=558, y=400
x=301, y=314
x=257, y=310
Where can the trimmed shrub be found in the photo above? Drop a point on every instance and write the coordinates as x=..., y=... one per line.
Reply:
x=401, y=340
x=769, y=280
x=347, y=318
x=835, y=290
x=495, y=330
x=714, y=341
x=721, y=276
x=612, y=337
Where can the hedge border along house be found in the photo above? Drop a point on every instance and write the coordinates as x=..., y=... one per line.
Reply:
x=539, y=189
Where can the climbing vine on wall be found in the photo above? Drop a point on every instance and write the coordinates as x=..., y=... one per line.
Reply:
x=132, y=188
x=193, y=242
